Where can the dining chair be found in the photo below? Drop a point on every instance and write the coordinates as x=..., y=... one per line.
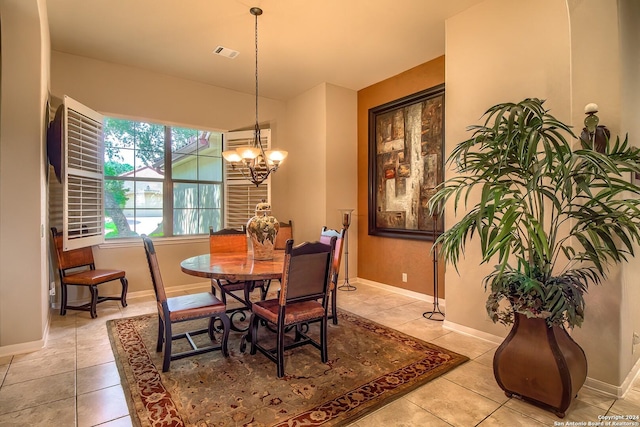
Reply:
x=303, y=299
x=232, y=240
x=325, y=237
x=183, y=308
x=77, y=267
x=284, y=233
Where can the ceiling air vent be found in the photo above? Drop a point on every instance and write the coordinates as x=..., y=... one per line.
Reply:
x=226, y=52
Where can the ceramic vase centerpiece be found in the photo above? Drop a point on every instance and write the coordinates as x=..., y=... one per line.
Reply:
x=262, y=230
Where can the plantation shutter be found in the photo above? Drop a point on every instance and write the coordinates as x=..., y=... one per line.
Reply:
x=83, y=176
x=241, y=195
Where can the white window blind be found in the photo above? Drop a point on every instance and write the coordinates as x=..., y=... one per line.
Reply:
x=241, y=195
x=83, y=179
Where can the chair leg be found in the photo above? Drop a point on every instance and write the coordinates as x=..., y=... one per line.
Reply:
x=123, y=295
x=334, y=305
x=63, y=298
x=94, y=301
x=253, y=333
x=323, y=340
x=167, y=347
x=280, y=351
x=213, y=288
x=160, y=334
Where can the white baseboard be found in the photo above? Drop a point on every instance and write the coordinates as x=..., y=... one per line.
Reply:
x=465, y=330
x=25, y=347
x=400, y=291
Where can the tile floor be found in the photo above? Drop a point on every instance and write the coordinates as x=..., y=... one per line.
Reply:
x=74, y=380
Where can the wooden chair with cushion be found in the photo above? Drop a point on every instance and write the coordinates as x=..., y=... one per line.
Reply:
x=77, y=267
x=182, y=308
x=225, y=241
x=325, y=237
x=303, y=299
x=284, y=233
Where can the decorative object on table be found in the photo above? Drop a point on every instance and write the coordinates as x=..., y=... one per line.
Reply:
x=595, y=135
x=406, y=163
x=434, y=257
x=345, y=214
x=262, y=230
x=382, y=365
x=253, y=161
x=531, y=182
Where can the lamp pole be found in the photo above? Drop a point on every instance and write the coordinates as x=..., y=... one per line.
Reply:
x=345, y=214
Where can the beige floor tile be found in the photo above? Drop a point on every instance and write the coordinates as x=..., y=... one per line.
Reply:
x=445, y=400
x=463, y=344
x=596, y=398
x=505, y=417
x=5, y=360
x=478, y=378
x=625, y=407
x=92, y=356
x=633, y=396
x=580, y=411
x=20, y=371
x=58, y=413
x=53, y=350
x=423, y=329
x=486, y=358
x=120, y=422
x=402, y=413
x=101, y=406
x=97, y=377
x=401, y=315
x=37, y=392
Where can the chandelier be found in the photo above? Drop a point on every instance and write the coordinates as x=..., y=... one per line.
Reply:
x=253, y=161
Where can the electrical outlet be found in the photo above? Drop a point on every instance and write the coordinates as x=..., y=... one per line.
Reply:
x=404, y=277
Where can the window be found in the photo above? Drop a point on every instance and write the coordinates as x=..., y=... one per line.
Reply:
x=161, y=180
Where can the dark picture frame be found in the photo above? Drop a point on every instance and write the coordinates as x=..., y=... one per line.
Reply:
x=406, y=164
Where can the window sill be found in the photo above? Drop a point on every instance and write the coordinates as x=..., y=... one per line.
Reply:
x=131, y=242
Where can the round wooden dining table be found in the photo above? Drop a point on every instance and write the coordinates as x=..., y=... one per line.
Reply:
x=235, y=267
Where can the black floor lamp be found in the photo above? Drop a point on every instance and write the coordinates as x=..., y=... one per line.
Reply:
x=345, y=214
x=436, y=306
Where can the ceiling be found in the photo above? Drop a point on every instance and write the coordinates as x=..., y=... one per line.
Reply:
x=301, y=43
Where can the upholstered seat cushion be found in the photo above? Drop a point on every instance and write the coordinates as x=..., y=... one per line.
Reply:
x=295, y=312
x=93, y=277
x=194, y=306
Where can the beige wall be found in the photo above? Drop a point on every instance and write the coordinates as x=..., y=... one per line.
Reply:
x=384, y=259
x=570, y=54
x=23, y=251
x=605, y=69
x=122, y=91
x=300, y=192
x=321, y=129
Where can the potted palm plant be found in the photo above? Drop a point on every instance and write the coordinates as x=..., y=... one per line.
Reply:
x=553, y=213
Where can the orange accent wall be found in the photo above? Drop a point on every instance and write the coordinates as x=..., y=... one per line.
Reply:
x=384, y=259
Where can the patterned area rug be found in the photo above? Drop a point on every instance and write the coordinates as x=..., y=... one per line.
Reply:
x=369, y=366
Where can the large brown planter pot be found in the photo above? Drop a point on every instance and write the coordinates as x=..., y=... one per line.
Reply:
x=539, y=364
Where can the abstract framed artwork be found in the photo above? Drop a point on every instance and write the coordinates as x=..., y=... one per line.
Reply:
x=406, y=164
